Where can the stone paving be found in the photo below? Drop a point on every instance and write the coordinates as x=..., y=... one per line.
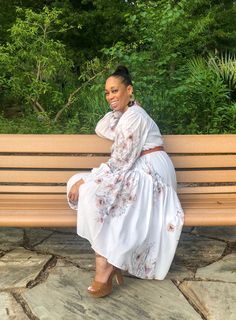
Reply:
x=45, y=274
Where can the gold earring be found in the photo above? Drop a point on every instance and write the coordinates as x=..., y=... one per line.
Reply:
x=131, y=100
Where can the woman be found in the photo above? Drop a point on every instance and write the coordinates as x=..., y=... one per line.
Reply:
x=128, y=207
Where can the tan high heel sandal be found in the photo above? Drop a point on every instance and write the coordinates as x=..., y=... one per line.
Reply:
x=100, y=289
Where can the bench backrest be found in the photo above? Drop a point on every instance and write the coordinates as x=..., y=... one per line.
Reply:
x=43, y=163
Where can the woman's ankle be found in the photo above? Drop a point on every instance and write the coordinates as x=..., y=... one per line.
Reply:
x=103, y=269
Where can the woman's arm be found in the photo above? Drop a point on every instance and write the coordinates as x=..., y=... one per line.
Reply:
x=105, y=127
x=129, y=141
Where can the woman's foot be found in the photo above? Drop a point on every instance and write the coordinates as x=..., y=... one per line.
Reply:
x=102, y=284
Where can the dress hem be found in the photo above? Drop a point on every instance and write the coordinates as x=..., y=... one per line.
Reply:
x=119, y=267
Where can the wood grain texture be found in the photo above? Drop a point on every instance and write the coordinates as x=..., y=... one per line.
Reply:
x=50, y=162
x=34, y=170
x=92, y=143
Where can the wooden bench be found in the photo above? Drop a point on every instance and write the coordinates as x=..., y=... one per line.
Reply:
x=35, y=168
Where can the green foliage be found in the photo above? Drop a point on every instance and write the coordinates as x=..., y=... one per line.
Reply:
x=92, y=107
x=82, y=118
x=207, y=99
x=101, y=23
x=34, y=66
x=8, y=14
x=183, y=94
x=225, y=68
x=35, y=69
x=29, y=124
x=181, y=55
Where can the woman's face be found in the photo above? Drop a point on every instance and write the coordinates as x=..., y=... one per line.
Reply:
x=117, y=94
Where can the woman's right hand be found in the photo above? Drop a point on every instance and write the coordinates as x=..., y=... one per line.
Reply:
x=74, y=191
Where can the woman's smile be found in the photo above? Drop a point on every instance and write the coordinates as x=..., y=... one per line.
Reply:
x=114, y=104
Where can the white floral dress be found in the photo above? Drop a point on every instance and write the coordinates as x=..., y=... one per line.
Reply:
x=128, y=207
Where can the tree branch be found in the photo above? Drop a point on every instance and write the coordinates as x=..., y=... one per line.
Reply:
x=70, y=98
x=37, y=106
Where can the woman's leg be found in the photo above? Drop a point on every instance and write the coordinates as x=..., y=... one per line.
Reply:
x=102, y=284
x=103, y=269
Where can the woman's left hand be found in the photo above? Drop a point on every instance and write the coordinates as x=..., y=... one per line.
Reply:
x=74, y=191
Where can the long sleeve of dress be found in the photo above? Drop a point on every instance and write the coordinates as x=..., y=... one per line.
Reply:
x=129, y=141
x=116, y=181
x=105, y=127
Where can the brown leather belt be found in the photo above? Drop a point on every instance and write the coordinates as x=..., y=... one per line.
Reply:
x=159, y=148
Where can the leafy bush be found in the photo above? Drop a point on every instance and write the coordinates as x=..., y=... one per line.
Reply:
x=34, y=67
x=184, y=94
x=164, y=43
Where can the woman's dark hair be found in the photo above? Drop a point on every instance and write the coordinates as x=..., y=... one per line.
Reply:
x=123, y=73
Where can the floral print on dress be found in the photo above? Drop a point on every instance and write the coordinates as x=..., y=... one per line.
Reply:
x=106, y=126
x=117, y=188
x=158, y=188
x=113, y=198
x=125, y=150
x=178, y=220
x=143, y=261
x=158, y=184
x=180, y=215
x=170, y=227
x=114, y=119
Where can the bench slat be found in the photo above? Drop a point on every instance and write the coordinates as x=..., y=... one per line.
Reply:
x=206, y=176
x=25, y=176
x=209, y=197
x=53, y=143
x=207, y=189
x=222, y=143
x=206, y=161
x=55, y=197
x=36, y=219
x=61, y=197
x=50, y=162
x=193, y=217
x=210, y=217
x=62, y=205
x=32, y=197
x=208, y=205
x=62, y=189
x=94, y=144
x=32, y=189
x=82, y=162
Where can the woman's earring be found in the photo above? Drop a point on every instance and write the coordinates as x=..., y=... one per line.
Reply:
x=131, y=100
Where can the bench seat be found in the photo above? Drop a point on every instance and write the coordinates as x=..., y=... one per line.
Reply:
x=21, y=211
x=35, y=168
